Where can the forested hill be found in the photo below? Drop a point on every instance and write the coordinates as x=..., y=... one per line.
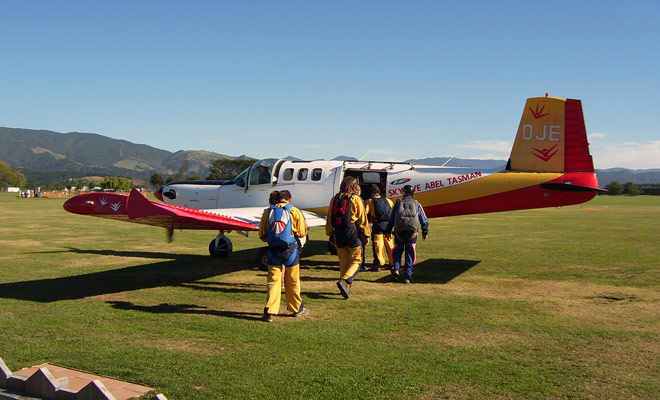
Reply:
x=42, y=153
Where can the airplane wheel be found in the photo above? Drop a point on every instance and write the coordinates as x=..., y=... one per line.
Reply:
x=262, y=259
x=223, y=249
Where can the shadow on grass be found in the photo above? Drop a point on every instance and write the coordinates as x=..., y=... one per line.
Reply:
x=116, y=253
x=166, y=308
x=439, y=270
x=178, y=270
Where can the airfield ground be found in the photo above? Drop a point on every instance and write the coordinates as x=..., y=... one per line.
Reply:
x=537, y=304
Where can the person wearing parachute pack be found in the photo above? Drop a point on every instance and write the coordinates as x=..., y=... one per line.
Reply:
x=281, y=224
x=406, y=220
x=378, y=212
x=347, y=221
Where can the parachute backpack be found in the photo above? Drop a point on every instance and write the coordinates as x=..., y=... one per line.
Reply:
x=382, y=212
x=345, y=231
x=279, y=226
x=406, y=222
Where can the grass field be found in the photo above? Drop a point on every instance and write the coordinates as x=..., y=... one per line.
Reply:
x=538, y=304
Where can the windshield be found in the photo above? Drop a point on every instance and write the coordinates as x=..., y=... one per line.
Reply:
x=241, y=178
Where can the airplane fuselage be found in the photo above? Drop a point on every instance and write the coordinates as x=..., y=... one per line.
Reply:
x=443, y=191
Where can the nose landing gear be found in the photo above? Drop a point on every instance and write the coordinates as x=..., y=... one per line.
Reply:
x=220, y=247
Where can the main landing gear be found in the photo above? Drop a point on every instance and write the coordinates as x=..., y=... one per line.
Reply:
x=262, y=259
x=221, y=246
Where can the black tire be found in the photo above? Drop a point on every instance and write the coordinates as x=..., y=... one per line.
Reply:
x=262, y=259
x=223, y=249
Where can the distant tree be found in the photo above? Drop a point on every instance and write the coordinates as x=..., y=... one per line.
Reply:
x=227, y=169
x=631, y=189
x=156, y=180
x=194, y=178
x=116, y=183
x=614, y=188
x=125, y=184
x=9, y=177
x=169, y=179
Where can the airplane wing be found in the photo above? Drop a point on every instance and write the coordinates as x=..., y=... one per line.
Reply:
x=137, y=208
x=253, y=215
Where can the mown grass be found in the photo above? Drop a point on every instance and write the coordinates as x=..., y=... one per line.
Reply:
x=552, y=303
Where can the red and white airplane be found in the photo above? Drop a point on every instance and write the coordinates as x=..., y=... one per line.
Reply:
x=549, y=166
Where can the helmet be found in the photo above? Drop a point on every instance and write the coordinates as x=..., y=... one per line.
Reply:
x=408, y=190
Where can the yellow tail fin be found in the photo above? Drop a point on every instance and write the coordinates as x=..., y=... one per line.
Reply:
x=551, y=137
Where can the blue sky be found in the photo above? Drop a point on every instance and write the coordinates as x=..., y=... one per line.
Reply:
x=388, y=80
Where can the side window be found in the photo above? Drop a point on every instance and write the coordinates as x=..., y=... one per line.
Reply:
x=316, y=174
x=302, y=174
x=288, y=174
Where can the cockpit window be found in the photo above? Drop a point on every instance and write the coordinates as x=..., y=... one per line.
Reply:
x=261, y=171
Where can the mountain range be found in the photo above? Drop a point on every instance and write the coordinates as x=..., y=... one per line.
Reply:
x=45, y=156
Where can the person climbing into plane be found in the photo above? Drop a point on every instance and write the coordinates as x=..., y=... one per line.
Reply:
x=281, y=224
x=406, y=220
x=363, y=261
x=378, y=213
x=347, y=221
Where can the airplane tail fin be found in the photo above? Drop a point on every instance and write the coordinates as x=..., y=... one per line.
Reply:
x=551, y=138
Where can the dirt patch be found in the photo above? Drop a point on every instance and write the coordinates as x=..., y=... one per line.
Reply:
x=625, y=308
x=23, y=243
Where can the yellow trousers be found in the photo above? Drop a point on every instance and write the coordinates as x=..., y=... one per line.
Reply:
x=382, y=246
x=350, y=259
x=291, y=288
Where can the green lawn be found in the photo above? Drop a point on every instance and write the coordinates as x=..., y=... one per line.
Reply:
x=537, y=304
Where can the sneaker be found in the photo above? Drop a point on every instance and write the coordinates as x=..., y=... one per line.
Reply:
x=395, y=276
x=267, y=317
x=375, y=268
x=302, y=312
x=406, y=281
x=344, y=289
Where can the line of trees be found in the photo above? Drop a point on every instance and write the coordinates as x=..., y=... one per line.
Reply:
x=615, y=188
x=220, y=169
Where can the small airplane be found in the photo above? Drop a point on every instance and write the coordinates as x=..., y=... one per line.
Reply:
x=550, y=166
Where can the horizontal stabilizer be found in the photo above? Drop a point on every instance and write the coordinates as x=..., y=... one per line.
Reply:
x=567, y=187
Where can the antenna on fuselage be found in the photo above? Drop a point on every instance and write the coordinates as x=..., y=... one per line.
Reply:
x=447, y=162
x=365, y=154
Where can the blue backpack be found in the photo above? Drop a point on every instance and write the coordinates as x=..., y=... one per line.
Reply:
x=279, y=226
